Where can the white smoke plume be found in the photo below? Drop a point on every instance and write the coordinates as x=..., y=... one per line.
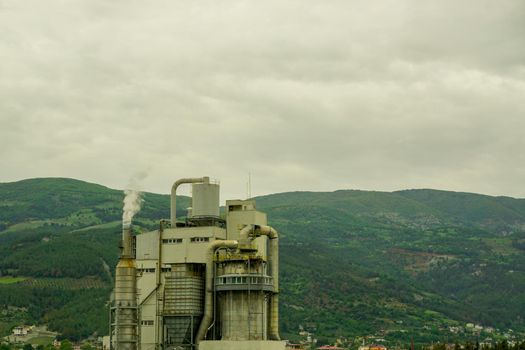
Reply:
x=132, y=203
x=133, y=199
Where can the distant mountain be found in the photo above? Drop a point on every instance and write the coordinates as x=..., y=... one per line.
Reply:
x=392, y=265
x=382, y=263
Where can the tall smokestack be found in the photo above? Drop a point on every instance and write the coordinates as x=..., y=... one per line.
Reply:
x=125, y=303
x=132, y=203
x=127, y=243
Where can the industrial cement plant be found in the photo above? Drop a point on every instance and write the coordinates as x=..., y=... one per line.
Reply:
x=208, y=282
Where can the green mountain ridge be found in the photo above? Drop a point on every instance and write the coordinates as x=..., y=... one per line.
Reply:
x=353, y=262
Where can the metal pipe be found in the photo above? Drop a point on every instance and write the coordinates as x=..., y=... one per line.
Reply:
x=158, y=319
x=258, y=230
x=274, y=302
x=208, y=297
x=273, y=257
x=176, y=184
x=214, y=301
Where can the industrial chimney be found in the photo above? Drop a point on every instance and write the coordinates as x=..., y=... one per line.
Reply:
x=124, y=307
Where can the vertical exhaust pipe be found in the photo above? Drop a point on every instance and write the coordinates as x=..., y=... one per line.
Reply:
x=176, y=184
x=273, y=258
x=208, y=296
x=126, y=242
x=126, y=319
x=274, y=303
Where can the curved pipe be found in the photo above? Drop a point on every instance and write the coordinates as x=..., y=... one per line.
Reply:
x=258, y=230
x=208, y=297
x=176, y=184
x=273, y=257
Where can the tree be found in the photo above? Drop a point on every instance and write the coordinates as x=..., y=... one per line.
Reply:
x=66, y=345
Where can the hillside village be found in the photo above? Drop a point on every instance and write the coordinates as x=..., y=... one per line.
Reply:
x=486, y=337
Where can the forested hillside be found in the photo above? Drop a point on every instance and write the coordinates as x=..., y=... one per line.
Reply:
x=61, y=236
x=353, y=262
x=420, y=261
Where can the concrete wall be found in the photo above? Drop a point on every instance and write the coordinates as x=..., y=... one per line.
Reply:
x=147, y=245
x=241, y=213
x=188, y=251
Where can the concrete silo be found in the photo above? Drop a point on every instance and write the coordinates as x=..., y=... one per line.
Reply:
x=206, y=282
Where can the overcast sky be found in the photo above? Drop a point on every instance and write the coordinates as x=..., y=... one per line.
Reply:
x=304, y=95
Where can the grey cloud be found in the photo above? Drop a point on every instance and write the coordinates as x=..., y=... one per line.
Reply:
x=303, y=94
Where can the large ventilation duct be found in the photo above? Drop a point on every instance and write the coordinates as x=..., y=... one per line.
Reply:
x=274, y=303
x=176, y=184
x=252, y=231
x=208, y=296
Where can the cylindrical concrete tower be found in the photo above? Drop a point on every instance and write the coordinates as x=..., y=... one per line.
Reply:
x=243, y=289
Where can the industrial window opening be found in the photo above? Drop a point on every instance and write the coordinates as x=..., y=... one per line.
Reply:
x=148, y=270
x=147, y=323
x=199, y=239
x=172, y=241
